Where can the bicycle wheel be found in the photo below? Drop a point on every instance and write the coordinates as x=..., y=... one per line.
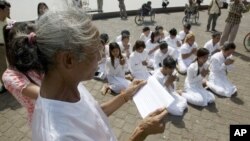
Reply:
x=186, y=20
x=139, y=19
x=246, y=42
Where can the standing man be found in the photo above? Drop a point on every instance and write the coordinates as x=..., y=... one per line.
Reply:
x=236, y=9
x=99, y=5
x=123, y=11
x=214, y=12
x=4, y=14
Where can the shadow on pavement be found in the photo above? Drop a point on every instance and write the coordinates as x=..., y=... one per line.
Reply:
x=177, y=121
x=237, y=100
x=242, y=56
x=8, y=101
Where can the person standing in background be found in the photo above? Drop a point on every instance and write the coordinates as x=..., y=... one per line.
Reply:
x=123, y=12
x=4, y=15
x=236, y=9
x=100, y=5
x=214, y=12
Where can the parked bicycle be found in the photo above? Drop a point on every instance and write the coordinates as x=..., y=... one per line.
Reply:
x=246, y=42
x=140, y=17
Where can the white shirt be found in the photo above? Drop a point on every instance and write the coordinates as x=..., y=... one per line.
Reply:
x=145, y=38
x=211, y=47
x=135, y=61
x=118, y=38
x=150, y=46
x=194, y=78
x=181, y=36
x=118, y=70
x=162, y=80
x=84, y=120
x=124, y=52
x=214, y=7
x=217, y=64
x=159, y=57
x=173, y=42
x=185, y=49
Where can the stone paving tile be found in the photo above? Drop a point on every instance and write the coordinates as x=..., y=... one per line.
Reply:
x=198, y=124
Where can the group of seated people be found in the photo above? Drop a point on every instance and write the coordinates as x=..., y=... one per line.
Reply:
x=160, y=54
x=165, y=55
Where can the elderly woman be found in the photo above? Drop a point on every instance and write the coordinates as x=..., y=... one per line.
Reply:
x=68, y=49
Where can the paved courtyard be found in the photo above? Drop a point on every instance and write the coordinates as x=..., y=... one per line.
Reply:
x=198, y=124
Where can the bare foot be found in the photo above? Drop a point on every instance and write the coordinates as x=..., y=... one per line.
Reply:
x=179, y=92
x=105, y=89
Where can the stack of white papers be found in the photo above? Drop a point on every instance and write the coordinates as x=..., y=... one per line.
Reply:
x=151, y=97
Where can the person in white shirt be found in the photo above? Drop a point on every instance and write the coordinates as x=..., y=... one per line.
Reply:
x=100, y=73
x=213, y=45
x=162, y=53
x=166, y=78
x=174, y=42
x=172, y=39
x=146, y=34
x=69, y=54
x=194, y=91
x=186, y=30
x=163, y=32
x=124, y=32
x=139, y=61
x=214, y=12
x=220, y=63
x=125, y=46
x=187, y=53
x=115, y=70
x=152, y=45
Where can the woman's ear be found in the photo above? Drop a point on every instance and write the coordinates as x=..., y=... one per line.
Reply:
x=67, y=59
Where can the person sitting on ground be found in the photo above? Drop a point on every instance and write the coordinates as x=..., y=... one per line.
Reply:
x=173, y=40
x=220, y=63
x=125, y=46
x=115, y=70
x=146, y=34
x=187, y=53
x=194, y=92
x=213, y=44
x=146, y=9
x=166, y=75
x=139, y=61
x=22, y=77
x=123, y=32
x=186, y=30
x=162, y=53
x=163, y=32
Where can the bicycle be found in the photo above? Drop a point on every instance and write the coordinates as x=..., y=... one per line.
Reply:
x=140, y=17
x=191, y=17
x=246, y=42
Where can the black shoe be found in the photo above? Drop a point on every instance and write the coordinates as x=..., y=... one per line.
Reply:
x=2, y=89
x=214, y=30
